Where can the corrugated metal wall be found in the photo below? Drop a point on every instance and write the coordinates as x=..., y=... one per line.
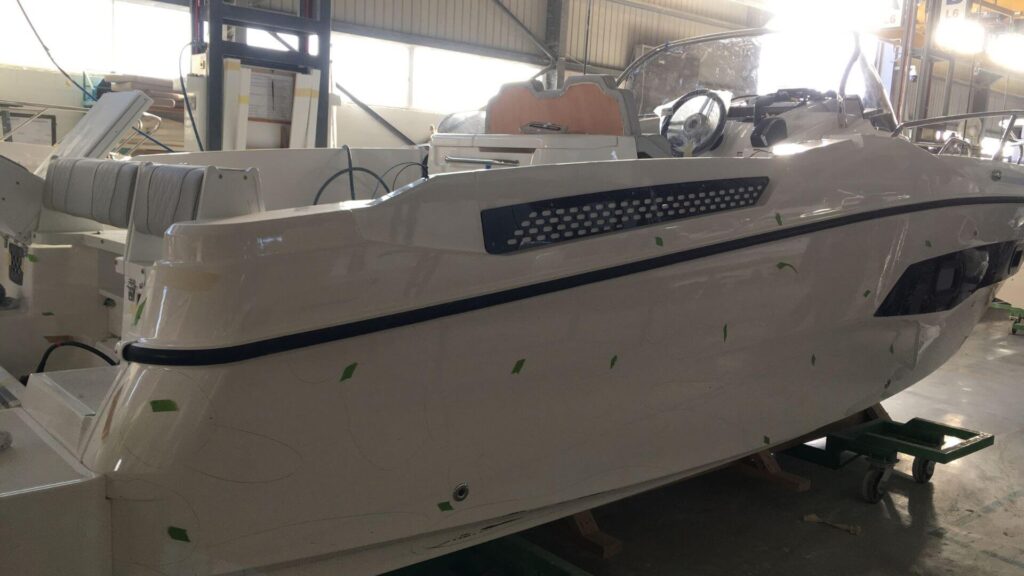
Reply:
x=617, y=28
x=476, y=22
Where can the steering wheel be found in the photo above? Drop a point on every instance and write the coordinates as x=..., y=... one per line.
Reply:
x=696, y=123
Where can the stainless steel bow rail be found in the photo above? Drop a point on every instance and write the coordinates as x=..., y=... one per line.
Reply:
x=1007, y=137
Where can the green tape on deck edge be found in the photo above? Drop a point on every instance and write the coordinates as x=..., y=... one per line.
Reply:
x=31, y=258
x=784, y=265
x=163, y=405
x=519, y=366
x=725, y=332
x=659, y=241
x=778, y=218
x=179, y=534
x=814, y=360
x=349, y=372
x=867, y=293
x=767, y=440
x=138, y=312
x=613, y=361
x=445, y=506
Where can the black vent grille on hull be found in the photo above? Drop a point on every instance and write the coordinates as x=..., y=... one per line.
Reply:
x=545, y=222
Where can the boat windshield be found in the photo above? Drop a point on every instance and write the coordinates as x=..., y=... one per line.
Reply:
x=758, y=62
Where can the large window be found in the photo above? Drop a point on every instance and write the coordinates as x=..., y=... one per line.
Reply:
x=98, y=36
x=446, y=81
x=148, y=38
x=145, y=38
x=375, y=71
x=407, y=76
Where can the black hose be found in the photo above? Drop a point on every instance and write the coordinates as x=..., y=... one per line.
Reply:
x=88, y=94
x=423, y=171
x=46, y=355
x=403, y=165
x=349, y=171
x=188, y=104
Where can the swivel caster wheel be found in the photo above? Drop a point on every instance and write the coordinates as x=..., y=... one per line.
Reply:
x=872, y=487
x=923, y=470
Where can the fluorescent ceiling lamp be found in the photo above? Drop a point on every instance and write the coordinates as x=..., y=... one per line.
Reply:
x=1006, y=50
x=961, y=36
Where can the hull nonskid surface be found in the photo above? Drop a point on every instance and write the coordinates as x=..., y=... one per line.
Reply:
x=346, y=449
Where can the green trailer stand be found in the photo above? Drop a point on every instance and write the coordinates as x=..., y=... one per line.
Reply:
x=1016, y=315
x=881, y=441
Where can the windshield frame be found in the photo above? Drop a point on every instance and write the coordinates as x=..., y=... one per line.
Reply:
x=872, y=81
x=732, y=34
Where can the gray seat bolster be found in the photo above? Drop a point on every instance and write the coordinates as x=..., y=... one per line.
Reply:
x=55, y=189
x=99, y=190
x=170, y=194
x=112, y=193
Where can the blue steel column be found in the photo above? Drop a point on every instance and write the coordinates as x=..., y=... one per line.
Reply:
x=323, y=106
x=215, y=76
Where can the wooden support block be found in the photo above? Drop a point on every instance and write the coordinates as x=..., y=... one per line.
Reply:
x=764, y=465
x=585, y=526
x=877, y=412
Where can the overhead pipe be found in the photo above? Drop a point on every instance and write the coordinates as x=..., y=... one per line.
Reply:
x=586, y=38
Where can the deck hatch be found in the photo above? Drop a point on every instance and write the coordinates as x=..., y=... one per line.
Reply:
x=550, y=221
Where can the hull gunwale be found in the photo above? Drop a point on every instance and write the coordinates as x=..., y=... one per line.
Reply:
x=144, y=354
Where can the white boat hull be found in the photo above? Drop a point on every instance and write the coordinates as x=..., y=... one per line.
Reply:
x=344, y=456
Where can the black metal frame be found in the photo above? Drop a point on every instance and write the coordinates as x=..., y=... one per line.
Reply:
x=314, y=20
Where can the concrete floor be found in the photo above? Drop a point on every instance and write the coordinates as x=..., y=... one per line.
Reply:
x=969, y=520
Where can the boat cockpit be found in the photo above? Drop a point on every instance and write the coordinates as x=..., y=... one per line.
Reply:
x=727, y=95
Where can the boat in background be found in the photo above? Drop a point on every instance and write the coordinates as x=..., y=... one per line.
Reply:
x=569, y=310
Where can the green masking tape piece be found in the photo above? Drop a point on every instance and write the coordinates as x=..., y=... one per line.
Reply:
x=928, y=243
x=519, y=366
x=31, y=258
x=778, y=218
x=784, y=265
x=163, y=405
x=867, y=293
x=179, y=534
x=47, y=313
x=767, y=440
x=814, y=359
x=892, y=348
x=349, y=371
x=888, y=382
x=138, y=312
x=445, y=506
x=725, y=332
x=613, y=361
x=659, y=241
